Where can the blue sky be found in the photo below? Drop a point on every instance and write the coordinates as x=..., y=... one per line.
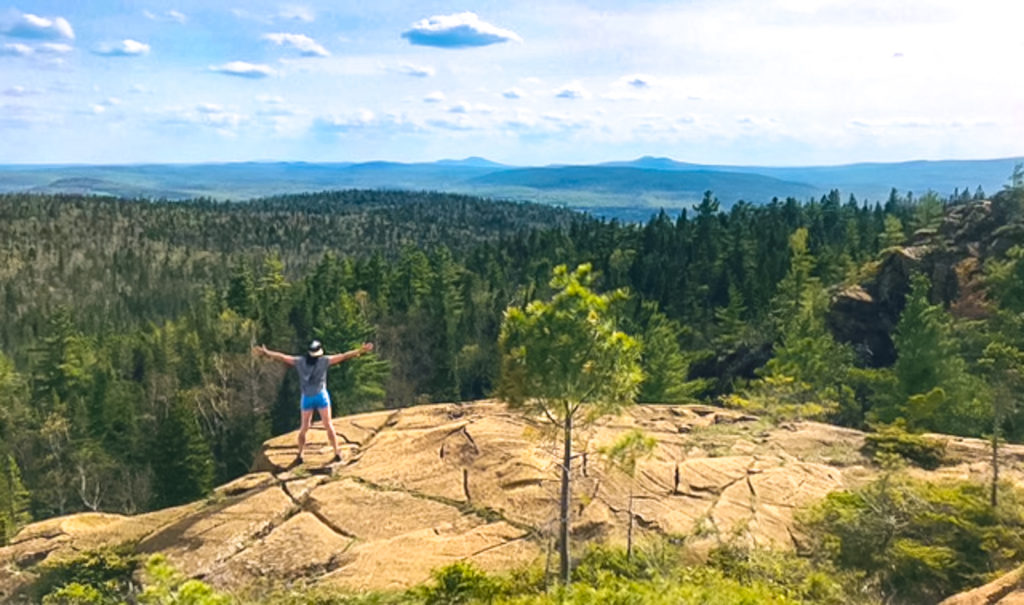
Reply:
x=778, y=82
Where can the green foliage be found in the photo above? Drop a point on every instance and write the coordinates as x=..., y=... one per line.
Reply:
x=895, y=440
x=788, y=574
x=166, y=586
x=627, y=449
x=780, y=399
x=934, y=390
x=566, y=353
x=565, y=359
x=919, y=541
x=459, y=583
x=665, y=365
x=14, y=500
x=79, y=594
x=99, y=576
x=181, y=458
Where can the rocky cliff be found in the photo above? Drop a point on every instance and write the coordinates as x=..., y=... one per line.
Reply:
x=952, y=256
x=426, y=486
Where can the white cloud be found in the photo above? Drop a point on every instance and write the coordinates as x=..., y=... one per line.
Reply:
x=572, y=90
x=297, y=13
x=461, y=30
x=15, y=50
x=171, y=15
x=435, y=97
x=20, y=91
x=307, y=46
x=418, y=71
x=360, y=119
x=513, y=93
x=460, y=124
x=41, y=28
x=125, y=48
x=54, y=48
x=464, y=108
x=243, y=69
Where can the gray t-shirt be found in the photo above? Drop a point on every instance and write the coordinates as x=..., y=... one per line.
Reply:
x=312, y=378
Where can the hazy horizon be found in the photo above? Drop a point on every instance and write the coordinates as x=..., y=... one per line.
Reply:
x=733, y=82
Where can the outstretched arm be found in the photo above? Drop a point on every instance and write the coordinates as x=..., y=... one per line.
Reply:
x=275, y=355
x=340, y=357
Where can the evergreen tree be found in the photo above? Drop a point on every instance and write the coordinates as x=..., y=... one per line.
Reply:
x=14, y=500
x=565, y=359
x=934, y=389
x=181, y=458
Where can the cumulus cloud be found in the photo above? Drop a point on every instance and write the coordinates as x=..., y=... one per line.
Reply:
x=573, y=90
x=513, y=93
x=297, y=13
x=15, y=50
x=638, y=82
x=306, y=46
x=347, y=123
x=243, y=69
x=124, y=48
x=41, y=28
x=54, y=48
x=171, y=15
x=464, y=108
x=461, y=30
x=435, y=97
x=418, y=71
x=19, y=91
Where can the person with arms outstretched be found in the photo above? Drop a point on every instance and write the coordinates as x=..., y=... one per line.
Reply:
x=312, y=369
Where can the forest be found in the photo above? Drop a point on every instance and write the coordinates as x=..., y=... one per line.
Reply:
x=127, y=382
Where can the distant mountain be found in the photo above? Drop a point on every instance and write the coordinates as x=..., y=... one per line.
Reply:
x=868, y=181
x=682, y=185
x=624, y=189
x=474, y=161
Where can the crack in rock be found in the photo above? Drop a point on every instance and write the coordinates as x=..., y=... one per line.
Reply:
x=500, y=544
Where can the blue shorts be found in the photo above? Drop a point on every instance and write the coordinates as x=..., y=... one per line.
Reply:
x=316, y=402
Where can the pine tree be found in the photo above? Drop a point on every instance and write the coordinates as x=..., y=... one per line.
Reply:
x=935, y=391
x=181, y=458
x=14, y=500
x=565, y=359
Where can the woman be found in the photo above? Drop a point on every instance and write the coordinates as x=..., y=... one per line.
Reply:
x=312, y=369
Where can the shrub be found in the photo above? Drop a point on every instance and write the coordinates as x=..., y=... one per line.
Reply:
x=97, y=576
x=460, y=582
x=895, y=439
x=919, y=541
x=789, y=574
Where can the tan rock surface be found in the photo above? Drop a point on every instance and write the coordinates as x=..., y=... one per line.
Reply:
x=1006, y=590
x=426, y=486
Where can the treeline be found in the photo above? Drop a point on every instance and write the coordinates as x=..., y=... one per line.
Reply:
x=127, y=383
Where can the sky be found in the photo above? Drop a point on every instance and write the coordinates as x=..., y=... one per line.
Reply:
x=742, y=82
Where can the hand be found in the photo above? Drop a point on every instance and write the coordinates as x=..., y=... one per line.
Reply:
x=260, y=350
x=367, y=347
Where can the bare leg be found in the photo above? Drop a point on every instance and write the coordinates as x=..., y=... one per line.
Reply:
x=307, y=418
x=325, y=418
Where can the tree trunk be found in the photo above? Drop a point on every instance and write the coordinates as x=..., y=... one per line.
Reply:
x=563, y=521
x=995, y=467
x=629, y=528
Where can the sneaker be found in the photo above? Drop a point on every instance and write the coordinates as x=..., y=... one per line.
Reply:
x=297, y=462
x=337, y=458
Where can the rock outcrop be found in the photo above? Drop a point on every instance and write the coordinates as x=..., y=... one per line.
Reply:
x=426, y=486
x=952, y=256
x=1006, y=590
